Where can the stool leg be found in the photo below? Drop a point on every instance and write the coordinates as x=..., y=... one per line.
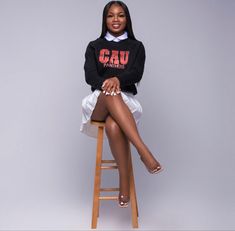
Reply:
x=134, y=206
x=96, y=193
x=133, y=186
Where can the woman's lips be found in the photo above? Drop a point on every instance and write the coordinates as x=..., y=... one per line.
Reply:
x=116, y=26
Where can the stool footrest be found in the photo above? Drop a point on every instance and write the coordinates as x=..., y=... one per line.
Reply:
x=108, y=198
x=109, y=167
x=108, y=161
x=109, y=189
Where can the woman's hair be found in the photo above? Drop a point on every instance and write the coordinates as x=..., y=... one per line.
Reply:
x=128, y=28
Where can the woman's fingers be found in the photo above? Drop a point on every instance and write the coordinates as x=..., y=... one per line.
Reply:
x=104, y=85
x=118, y=90
x=113, y=91
x=111, y=87
x=108, y=86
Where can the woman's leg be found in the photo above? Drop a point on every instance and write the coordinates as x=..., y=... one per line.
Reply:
x=119, y=111
x=119, y=146
x=100, y=111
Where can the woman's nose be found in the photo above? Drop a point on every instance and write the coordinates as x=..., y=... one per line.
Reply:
x=115, y=18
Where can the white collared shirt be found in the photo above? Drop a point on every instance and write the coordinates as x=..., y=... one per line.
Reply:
x=110, y=37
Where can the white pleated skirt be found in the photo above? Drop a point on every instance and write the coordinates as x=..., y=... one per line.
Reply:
x=88, y=105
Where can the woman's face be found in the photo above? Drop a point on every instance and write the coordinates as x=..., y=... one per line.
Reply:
x=116, y=20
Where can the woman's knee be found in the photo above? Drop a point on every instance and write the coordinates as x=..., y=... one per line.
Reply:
x=111, y=127
x=111, y=100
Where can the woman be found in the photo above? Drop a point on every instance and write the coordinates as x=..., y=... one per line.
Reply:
x=114, y=63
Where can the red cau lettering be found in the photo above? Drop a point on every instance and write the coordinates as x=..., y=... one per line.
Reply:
x=114, y=57
x=102, y=57
x=124, y=56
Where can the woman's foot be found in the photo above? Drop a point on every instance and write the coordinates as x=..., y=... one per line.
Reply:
x=124, y=193
x=123, y=200
x=153, y=166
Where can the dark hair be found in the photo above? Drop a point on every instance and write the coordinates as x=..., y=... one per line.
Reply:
x=128, y=28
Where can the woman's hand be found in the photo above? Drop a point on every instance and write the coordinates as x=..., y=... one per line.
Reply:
x=111, y=86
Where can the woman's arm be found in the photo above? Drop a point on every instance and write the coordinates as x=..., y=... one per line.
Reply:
x=134, y=75
x=91, y=74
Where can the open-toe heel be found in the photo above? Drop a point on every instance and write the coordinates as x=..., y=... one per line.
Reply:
x=123, y=201
x=154, y=170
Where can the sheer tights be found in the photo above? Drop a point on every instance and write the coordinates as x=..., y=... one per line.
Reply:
x=120, y=128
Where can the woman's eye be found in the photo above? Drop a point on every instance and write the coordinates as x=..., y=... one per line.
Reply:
x=121, y=16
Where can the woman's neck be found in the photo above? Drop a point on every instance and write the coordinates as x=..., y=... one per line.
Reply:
x=117, y=34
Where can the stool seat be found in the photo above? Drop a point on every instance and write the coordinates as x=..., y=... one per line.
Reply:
x=102, y=164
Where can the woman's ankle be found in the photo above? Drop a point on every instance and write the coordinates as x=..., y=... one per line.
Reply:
x=124, y=189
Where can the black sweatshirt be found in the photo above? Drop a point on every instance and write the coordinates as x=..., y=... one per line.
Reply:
x=105, y=59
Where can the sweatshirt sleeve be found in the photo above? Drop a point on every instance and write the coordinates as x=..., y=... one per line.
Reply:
x=91, y=74
x=134, y=75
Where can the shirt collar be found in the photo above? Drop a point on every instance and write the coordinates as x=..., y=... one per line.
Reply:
x=110, y=37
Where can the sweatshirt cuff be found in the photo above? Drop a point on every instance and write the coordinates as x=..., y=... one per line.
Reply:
x=99, y=84
x=120, y=80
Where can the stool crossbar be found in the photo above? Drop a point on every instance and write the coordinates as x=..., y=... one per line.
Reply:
x=102, y=164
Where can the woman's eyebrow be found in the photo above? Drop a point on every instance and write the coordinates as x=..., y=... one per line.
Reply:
x=122, y=12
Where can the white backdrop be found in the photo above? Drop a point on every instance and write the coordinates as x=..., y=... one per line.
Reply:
x=187, y=93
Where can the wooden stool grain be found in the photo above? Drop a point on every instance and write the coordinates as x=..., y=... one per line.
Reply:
x=102, y=165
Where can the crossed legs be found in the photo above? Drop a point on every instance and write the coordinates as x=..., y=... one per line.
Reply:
x=119, y=146
x=121, y=128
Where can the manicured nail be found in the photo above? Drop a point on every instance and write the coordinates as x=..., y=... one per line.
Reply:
x=103, y=91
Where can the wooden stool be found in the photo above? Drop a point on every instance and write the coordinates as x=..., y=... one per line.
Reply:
x=97, y=181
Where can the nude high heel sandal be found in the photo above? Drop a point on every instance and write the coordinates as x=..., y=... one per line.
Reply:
x=123, y=201
x=152, y=171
